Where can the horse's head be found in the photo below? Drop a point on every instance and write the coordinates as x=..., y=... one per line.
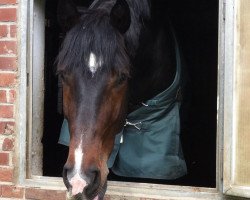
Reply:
x=94, y=66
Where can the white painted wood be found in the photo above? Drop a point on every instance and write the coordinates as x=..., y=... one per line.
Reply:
x=127, y=190
x=232, y=56
x=136, y=191
x=228, y=92
x=31, y=89
x=21, y=105
x=29, y=110
x=38, y=49
x=220, y=96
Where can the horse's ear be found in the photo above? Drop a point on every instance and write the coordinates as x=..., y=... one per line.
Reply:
x=120, y=16
x=67, y=14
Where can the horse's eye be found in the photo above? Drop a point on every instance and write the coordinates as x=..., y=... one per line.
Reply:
x=122, y=78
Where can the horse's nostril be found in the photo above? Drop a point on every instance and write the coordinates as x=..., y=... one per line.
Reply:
x=65, y=176
x=93, y=174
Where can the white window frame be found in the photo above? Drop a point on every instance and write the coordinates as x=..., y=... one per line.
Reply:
x=230, y=105
x=142, y=190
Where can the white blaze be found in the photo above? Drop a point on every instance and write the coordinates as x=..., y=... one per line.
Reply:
x=78, y=184
x=78, y=158
x=94, y=63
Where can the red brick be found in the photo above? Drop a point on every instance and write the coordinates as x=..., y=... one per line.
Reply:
x=0, y=190
x=12, y=191
x=4, y=158
x=3, y=31
x=13, y=29
x=8, y=63
x=6, y=111
x=6, y=174
x=3, y=96
x=12, y=96
x=8, y=144
x=7, y=128
x=7, y=2
x=8, y=14
x=7, y=79
x=8, y=47
x=40, y=194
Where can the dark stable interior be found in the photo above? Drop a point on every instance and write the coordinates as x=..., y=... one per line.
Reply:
x=196, y=25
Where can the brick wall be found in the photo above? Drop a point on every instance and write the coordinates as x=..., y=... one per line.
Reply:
x=8, y=82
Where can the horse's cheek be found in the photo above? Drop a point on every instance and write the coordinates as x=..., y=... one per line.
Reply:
x=68, y=103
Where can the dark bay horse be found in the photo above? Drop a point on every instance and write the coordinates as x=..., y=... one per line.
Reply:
x=116, y=55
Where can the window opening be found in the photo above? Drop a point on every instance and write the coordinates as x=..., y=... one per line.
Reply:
x=196, y=25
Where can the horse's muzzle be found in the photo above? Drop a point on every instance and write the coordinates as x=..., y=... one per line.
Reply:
x=86, y=186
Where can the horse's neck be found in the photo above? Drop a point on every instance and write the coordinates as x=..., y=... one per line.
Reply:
x=154, y=65
x=140, y=14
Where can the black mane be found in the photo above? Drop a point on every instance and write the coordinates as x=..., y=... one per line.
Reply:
x=140, y=12
x=94, y=33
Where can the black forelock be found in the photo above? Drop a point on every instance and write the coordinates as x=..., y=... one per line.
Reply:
x=93, y=34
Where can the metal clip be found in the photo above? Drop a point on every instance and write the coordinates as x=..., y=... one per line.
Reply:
x=133, y=124
x=121, y=140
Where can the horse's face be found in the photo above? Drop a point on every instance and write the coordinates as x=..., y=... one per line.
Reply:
x=95, y=109
x=93, y=65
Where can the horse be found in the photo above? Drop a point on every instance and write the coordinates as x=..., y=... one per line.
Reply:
x=116, y=54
